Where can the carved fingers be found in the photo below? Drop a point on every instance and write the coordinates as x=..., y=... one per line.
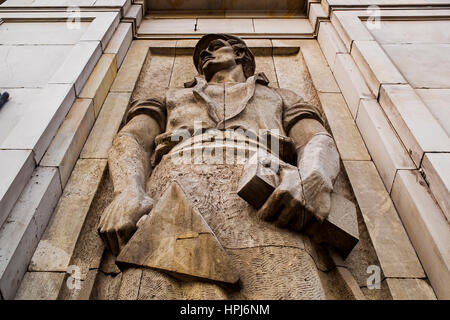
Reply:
x=285, y=205
x=118, y=221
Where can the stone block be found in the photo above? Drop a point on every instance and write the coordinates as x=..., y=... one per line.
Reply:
x=100, y=80
x=431, y=63
x=315, y=13
x=375, y=65
x=345, y=133
x=56, y=247
x=349, y=27
x=131, y=67
x=66, y=146
x=421, y=31
x=437, y=174
x=321, y=75
x=437, y=102
x=292, y=74
x=19, y=104
x=35, y=130
x=120, y=42
x=16, y=167
x=40, y=286
x=165, y=26
x=427, y=228
x=340, y=229
x=102, y=28
x=40, y=33
x=297, y=26
x=415, y=125
x=384, y=146
x=78, y=64
x=330, y=43
x=105, y=128
x=393, y=248
x=21, y=232
x=30, y=66
x=351, y=82
x=410, y=289
x=233, y=26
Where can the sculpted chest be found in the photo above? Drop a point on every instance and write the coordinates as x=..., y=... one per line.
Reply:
x=223, y=106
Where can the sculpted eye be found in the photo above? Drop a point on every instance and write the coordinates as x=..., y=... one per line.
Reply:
x=214, y=45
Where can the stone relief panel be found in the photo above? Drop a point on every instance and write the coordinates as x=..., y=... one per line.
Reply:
x=172, y=67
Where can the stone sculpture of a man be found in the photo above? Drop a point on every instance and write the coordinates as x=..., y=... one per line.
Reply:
x=264, y=248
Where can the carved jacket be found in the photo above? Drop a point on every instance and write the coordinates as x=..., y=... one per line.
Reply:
x=250, y=105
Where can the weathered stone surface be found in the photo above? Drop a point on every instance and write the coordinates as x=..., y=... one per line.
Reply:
x=19, y=104
x=431, y=63
x=293, y=74
x=436, y=167
x=330, y=43
x=427, y=228
x=120, y=42
x=419, y=130
x=21, y=232
x=258, y=181
x=100, y=80
x=340, y=229
x=56, y=247
x=129, y=71
x=351, y=82
x=349, y=27
x=179, y=71
x=78, y=64
x=83, y=292
x=345, y=133
x=162, y=26
x=437, y=102
x=395, y=252
x=48, y=33
x=65, y=148
x=157, y=72
x=89, y=248
x=129, y=286
x=423, y=31
x=224, y=26
x=187, y=247
x=384, y=146
x=105, y=128
x=35, y=130
x=40, y=286
x=410, y=289
x=299, y=26
x=106, y=287
x=30, y=66
x=321, y=75
x=16, y=168
x=375, y=65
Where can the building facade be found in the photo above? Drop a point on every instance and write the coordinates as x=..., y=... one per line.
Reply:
x=378, y=69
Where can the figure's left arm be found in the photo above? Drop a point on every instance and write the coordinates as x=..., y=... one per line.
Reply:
x=317, y=156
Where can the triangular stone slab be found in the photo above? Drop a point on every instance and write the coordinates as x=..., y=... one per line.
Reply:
x=176, y=238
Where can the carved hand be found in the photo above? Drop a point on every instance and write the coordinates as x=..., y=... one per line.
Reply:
x=118, y=221
x=318, y=167
x=285, y=205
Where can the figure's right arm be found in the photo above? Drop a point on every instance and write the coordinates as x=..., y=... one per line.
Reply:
x=129, y=166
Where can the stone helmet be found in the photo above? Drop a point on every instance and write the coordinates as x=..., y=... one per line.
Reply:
x=248, y=61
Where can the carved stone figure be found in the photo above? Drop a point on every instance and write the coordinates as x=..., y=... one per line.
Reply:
x=196, y=235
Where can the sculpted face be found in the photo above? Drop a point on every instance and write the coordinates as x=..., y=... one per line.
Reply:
x=219, y=55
